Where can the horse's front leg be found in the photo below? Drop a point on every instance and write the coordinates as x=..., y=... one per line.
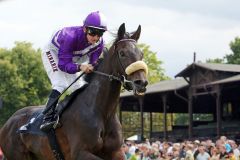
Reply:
x=113, y=140
x=85, y=155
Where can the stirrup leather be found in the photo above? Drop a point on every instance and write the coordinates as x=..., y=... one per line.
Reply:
x=56, y=122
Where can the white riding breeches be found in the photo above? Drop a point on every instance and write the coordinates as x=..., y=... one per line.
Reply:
x=60, y=80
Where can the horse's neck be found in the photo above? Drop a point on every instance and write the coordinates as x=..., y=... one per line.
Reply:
x=108, y=90
x=107, y=93
x=103, y=92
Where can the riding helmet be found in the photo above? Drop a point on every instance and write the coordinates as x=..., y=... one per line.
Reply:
x=96, y=20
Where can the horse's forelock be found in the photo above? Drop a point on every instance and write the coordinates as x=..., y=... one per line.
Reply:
x=127, y=35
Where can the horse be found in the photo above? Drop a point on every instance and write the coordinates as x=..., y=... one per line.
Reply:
x=90, y=127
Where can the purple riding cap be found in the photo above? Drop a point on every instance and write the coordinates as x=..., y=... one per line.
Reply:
x=72, y=42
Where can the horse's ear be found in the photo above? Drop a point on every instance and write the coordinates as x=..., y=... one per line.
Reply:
x=105, y=52
x=121, y=31
x=136, y=35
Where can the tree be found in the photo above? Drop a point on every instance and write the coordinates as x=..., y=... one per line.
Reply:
x=216, y=60
x=155, y=71
x=234, y=58
x=23, y=79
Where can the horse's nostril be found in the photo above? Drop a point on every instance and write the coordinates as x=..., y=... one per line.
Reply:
x=141, y=83
x=137, y=82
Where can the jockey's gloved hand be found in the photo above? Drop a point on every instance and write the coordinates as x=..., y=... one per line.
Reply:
x=87, y=68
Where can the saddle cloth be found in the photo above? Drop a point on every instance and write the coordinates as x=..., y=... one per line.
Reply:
x=33, y=124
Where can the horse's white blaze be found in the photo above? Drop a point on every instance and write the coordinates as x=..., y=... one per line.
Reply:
x=138, y=65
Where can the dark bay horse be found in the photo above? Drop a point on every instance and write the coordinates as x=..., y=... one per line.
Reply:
x=90, y=127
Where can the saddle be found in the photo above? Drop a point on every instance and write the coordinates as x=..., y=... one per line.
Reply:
x=34, y=122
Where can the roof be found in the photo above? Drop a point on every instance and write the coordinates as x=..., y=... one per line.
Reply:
x=210, y=66
x=226, y=80
x=162, y=86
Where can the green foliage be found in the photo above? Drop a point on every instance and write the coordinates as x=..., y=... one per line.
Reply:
x=216, y=60
x=131, y=123
x=234, y=58
x=182, y=118
x=155, y=71
x=23, y=79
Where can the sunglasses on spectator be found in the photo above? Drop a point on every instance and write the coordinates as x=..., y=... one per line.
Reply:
x=93, y=32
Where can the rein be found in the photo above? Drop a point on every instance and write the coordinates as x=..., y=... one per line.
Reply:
x=111, y=77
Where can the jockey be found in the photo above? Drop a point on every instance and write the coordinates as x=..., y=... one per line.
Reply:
x=71, y=50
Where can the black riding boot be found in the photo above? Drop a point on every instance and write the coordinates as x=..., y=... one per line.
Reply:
x=49, y=118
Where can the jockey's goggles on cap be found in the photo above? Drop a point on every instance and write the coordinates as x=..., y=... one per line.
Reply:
x=94, y=31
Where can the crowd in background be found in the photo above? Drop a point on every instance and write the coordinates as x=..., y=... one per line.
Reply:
x=221, y=149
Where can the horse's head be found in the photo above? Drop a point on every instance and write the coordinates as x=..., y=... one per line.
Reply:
x=128, y=62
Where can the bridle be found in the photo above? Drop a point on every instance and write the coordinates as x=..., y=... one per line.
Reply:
x=122, y=78
x=115, y=46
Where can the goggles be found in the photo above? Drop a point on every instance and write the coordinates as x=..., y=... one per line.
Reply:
x=93, y=32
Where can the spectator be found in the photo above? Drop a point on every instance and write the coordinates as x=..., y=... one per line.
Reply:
x=195, y=150
x=202, y=155
x=154, y=153
x=189, y=153
x=182, y=152
x=235, y=149
x=223, y=138
x=125, y=151
x=132, y=148
x=223, y=152
x=231, y=155
x=136, y=155
x=214, y=154
x=176, y=151
x=145, y=151
x=147, y=142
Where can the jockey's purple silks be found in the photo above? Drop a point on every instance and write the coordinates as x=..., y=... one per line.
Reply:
x=71, y=42
x=71, y=47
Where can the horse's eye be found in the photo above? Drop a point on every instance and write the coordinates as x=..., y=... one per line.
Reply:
x=121, y=54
